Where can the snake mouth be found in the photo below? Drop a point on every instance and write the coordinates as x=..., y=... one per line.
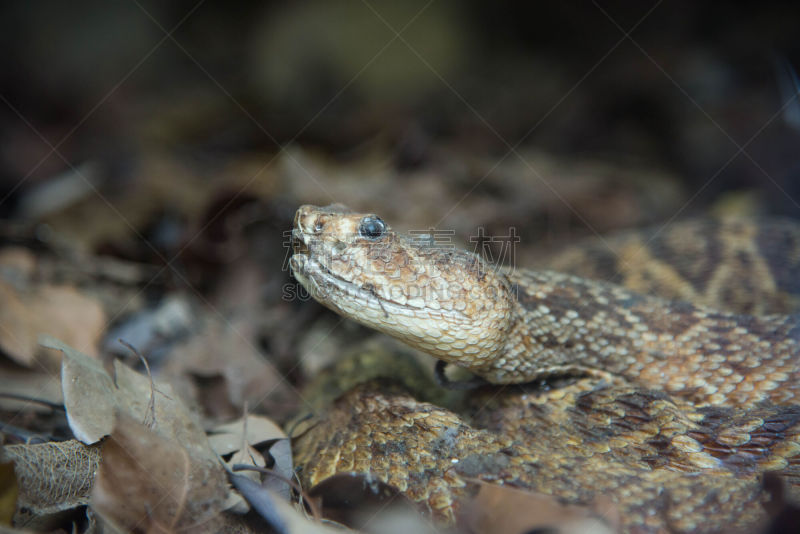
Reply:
x=299, y=243
x=324, y=285
x=322, y=282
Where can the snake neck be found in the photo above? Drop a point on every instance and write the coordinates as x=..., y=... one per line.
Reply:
x=563, y=322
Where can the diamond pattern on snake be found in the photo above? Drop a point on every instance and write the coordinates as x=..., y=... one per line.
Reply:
x=672, y=389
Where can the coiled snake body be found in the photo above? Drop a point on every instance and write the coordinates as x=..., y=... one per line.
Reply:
x=674, y=410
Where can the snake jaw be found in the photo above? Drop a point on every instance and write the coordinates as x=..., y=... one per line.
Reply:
x=297, y=264
x=299, y=242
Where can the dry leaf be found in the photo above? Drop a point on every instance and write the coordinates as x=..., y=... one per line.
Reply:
x=245, y=456
x=65, y=313
x=227, y=438
x=161, y=409
x=148, y=483
x=15, y=380
x=357, y=500
x=228, y=350
x=514, y=511
x=59, y=311
x=152, y=326
x=17, y=338
x=262, y=500
x=281, y=452
x=248, y=456
x=281, y=516
x=52, y=476
x=92, y=400
x=88, y=393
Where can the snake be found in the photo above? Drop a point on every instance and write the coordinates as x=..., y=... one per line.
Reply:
x=675, y=410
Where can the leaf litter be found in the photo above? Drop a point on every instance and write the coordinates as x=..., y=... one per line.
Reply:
x=196, y=281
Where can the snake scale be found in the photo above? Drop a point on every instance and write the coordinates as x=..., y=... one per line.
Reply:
x=673, y=410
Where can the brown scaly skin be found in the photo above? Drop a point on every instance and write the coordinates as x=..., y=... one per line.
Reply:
x=667, y=468
x=746, y=266
x=511, y=327
x=708, y=357
x=720, y=407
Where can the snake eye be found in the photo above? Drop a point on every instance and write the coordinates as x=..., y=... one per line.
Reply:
x=371, y=227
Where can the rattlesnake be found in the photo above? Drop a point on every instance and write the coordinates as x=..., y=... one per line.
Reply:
x=672, y=409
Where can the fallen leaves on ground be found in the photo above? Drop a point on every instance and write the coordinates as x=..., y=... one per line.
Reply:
x=155, y=470
x=245, y=442
x=92, y=400
x=227, y=350
x=60, y=311
x=88, y=393
x=282, y=517
x=510, y=510
x=364, y=502
x=24, y=383
x=254, y=430
x=148, y=483
x=151, y=328
x=52, y=477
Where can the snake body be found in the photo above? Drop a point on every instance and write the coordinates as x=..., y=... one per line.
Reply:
x=745, y=266
x=674, y=409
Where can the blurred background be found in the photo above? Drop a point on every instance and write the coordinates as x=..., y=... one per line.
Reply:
x=650, y=108
x=153, y=154
x=156, y=151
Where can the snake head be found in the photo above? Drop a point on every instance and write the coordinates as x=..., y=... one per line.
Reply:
x=444, y=301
